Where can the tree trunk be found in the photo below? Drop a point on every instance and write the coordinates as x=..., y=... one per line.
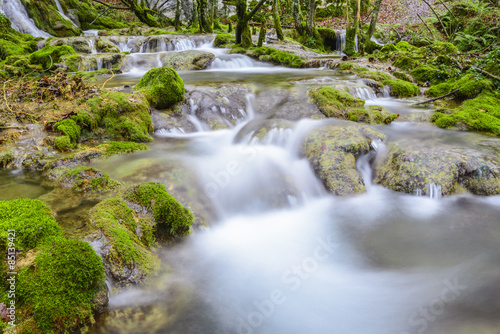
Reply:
x=310, y=18
x=205, y=24
x=194, y=18
x=297, y=17
x=177, y=21
x=373, y=22
x=243, y=35
x=277, y=21
x=262, y=33
x=143, y=13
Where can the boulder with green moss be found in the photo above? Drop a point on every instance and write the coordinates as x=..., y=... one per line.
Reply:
x=49, y=55
x=14, y=43
x=162, y=87
x=332, y=151
x=334, y=103
x=371, y=115
x=412, y=166
x=224, y=40
x=105, y=46
x=87, y=179
x=6, y=158
x=402, y=88
x=479, y=114
x=48, y=18
x=471, y=85
x=404, y=63
x=190, y=60
x=271, y=55
x=425, y=73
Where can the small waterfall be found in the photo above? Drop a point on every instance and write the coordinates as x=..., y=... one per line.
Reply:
x=232, y=62
x=61, y=11
x=91, y=33
x=341, y=36
x=364, y=162
x=93, y=48
x=365, y=93
x=20, y=19
x=434, y=191
x=275, y=136
x=183, y=44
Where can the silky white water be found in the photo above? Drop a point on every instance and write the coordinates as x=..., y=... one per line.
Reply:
x=20, y=20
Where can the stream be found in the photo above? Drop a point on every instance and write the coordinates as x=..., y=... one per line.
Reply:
x=279, y=254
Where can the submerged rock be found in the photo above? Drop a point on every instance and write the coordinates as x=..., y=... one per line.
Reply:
x=190, y=60
x=332, y=151
x=411, y=166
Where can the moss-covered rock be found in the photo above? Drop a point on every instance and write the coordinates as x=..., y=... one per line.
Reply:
x=162, y=87
x=329, y=37
x=371, y=115
x=332, y=152
x=14, y=43
x=402, y=88
x=106, y=46
x=480, y=114
x=224, y=40
x=411, y=166
x=190, y=60
x=425, y=73
x=387, y=48
x=116, y=147
x=86, y=179
x=373, y=75
x=402, y=76
x=47, y=17
x=32, y=221
x=123, y=240
x=404, y=63
x=59, y=288
x=470, y=86
x=442, y=48
x=172, y=218
x=439, y=89
x=49, y=55
x=6, y=157
x=270, y=55
x=334, y=103
x=116, y=115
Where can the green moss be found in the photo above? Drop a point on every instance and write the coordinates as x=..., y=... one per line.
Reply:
x=402, y=76
x=115, y=147
x=402, y=88
x=162, y=87
x=371, y=115
x=12, y=42
x=32, y=221
x=86, y=179
x=347, y=66
x=480, y=114
x=329, y=37
x=119, y=224
x=470, y=86
x=389, y=48
x=171, y=217
x=116, y=115
x=425, y=73
x=59, y=288
x=271, y=55
x=404, y=63
x=334, y=103
x=69, y=128
x=63, y=143
x=377, y=76
x=405, y=46
x=439, y=89
x=224, y=40
x=49, y=55
x=6, y=157
x=106, y=46
x=442, y=48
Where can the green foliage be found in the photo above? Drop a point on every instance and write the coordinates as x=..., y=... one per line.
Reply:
x=49, y=55
x=116, y=115
x=442, y=48
x=162, y=87
x=480, y=114
x=32, y=221
x=171, y=217
x=58, y=289
x=389, y=48
x=402, y=88
x=224, y=41
x=404, y=63
x=47, y=17
x=88, y=13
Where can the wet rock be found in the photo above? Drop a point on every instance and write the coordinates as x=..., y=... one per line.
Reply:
x=95, y=62
x=101, y=299
x=188, y=60
x=171, y=122
x=332, y=151
x=79, y=43
x=105, y=46
x=264, y=130
x=411, y=166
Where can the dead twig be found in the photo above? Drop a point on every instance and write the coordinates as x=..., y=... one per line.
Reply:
x=436, y=98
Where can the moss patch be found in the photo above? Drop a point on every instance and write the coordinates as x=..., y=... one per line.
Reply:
x=334, y=103
x=224, y=40
x=271, y=55
x=402, y=88
x=162, y=87
x=86, y=179
x=49, y=55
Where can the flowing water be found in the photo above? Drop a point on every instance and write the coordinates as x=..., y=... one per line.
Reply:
x=279, y=253
x=20, y=20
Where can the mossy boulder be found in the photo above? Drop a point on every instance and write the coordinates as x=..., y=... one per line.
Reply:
x=402, y=88
x=442, y=48
x=333, y=102
x=388, y=48
x=439, y=89
x=47, y=17
x=14, y=43
x=6, y=158
x=49, y=55
x=105, y=46
x=402, y=76
x=470, y=86
x=172, y=218
x=32, y=221
x=425, y=73
x=479, y=114
x=162, y=87
x=371, y=115
x=60, y=287
x=78, y=43
x=190, y=60
x=117, y=116
x=373, y=75
x=124, y=239
x=329, y=37
x=404, y=63
x=332, y=151
x=411, y=166
x=87, y=179
x=224, y=40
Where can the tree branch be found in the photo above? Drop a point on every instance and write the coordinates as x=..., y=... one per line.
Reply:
x=437, y=98
x=254, y=10
x=486, y=73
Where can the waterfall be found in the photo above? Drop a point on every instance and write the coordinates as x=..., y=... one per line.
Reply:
x=93, y=48
x=233, y=62
x=20, y=19
x=340, y=36
x=61, y=11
